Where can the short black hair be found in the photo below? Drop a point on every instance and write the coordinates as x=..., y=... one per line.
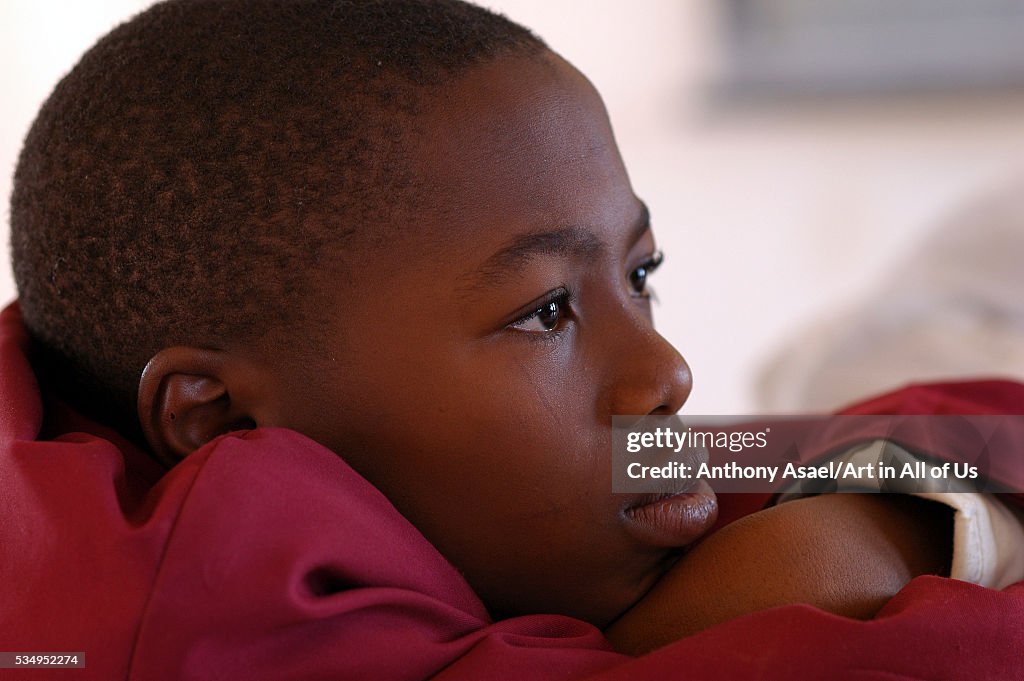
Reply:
x=186, y=177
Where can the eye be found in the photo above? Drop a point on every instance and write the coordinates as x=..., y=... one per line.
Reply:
x=638, y=277
x=548, y=317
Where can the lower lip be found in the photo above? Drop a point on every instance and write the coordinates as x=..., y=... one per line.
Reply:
x=675, y=520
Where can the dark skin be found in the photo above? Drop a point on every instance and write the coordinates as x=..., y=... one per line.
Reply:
x=474, y=366
x=845, y=553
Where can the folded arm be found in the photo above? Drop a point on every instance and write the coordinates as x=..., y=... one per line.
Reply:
x=844, y=553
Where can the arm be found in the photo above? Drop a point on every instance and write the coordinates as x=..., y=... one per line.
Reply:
x=844, y=553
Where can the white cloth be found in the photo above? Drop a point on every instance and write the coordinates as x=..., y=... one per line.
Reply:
x=988, y=538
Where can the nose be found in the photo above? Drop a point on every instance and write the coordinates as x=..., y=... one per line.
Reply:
x=647, y=375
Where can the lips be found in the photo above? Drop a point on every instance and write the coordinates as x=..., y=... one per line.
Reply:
x=672, y=519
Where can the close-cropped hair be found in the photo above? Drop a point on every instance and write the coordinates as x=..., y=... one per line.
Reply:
x=186, y=182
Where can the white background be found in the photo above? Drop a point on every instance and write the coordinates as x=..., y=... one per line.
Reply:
x=769, y=217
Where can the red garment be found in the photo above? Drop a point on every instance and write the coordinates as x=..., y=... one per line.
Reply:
x=264, y=556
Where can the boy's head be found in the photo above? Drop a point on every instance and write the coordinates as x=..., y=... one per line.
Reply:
x=400, y=228
x=185, y=180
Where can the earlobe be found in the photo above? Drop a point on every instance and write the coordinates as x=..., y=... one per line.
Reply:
x=185, y=401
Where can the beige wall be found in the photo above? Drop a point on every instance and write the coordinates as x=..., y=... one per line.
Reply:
x=767, y=217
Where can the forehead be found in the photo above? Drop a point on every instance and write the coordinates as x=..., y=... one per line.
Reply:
x=519, y=144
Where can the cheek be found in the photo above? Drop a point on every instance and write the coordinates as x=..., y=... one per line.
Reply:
x=500, y=459
x=500, y=415
x=522, y=502
x=514, y=423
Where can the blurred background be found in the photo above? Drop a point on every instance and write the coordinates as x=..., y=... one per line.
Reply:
x=838, y=185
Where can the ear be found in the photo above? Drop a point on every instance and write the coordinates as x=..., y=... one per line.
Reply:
x=187, y=397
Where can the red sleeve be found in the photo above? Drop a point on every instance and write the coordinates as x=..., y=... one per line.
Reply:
x=265, y=557
x=995, y=444
x=310, y=583
x=965, y=398
x=934, y=629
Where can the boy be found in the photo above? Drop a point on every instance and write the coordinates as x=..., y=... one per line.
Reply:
x=398, y=233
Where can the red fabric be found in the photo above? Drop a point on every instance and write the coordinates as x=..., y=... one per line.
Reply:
x=264, y=556
x=948, y=441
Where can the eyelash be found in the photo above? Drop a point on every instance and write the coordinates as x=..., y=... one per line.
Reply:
x=642, y=273
x=561, y=300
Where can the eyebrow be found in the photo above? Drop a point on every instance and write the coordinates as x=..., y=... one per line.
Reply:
x=566, y=242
